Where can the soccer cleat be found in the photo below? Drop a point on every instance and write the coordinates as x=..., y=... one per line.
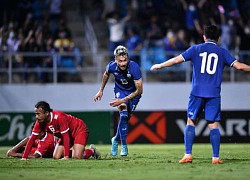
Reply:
x=124, y=150
x=217, y=161
x=186, y=159
x=114, y=147
x=96, y=154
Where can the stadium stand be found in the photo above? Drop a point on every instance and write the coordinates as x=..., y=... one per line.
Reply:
x=72, y=37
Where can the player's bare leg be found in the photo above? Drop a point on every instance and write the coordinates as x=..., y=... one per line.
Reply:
x=58, y=152
x=77, y=151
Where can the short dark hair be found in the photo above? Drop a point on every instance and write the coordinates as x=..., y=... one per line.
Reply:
x=212, y=32
x=43, y=105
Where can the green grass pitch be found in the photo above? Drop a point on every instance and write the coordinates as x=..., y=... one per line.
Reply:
x=144, y=162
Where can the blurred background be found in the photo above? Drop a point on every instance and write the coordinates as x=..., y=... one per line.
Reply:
x=57, y=50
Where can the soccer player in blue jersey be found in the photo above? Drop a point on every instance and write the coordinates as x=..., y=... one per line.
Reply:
x=128, y=89
x=208, y=61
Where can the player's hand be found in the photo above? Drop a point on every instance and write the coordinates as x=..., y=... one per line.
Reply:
x=155, y=67
x=65, y=158
x=9, y=153
x=116, y=102
x=98, y=96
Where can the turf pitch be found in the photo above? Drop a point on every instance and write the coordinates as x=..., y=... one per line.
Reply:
x=144, y=162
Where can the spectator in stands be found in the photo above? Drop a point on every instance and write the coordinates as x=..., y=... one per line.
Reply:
x=12, y=42
x=116, y=30
x=55, y=13
x=37, y=10
x=33, y=62
x=48, y=60
x=228, y=30
x=181, y=40
x=154, y=33
x=134, y=44
x=192, y=21
x=244, y=34
x=170, y=40
x=66, y=61
x=153, y=47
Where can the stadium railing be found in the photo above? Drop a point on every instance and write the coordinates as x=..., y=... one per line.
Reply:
x=21, y=67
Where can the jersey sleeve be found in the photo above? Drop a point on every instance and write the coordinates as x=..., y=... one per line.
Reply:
x=63, y=122
x=66, y=144
x=108, y=69
x=229, y=59
x=29, y=146
x=136, y=72
x=188, y=54
x=37, y=129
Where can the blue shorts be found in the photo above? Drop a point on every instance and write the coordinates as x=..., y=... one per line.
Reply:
x=131, y=104
x=210, y=106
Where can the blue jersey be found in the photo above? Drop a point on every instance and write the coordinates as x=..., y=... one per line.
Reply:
x=208, y=61
x=124, y=80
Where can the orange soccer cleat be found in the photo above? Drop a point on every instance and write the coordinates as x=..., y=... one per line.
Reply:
x=217, y=161
x=187, y=158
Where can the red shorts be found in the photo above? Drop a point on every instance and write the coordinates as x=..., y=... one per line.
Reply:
x=81, y=138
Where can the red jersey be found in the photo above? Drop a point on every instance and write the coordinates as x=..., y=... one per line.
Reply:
x=64, y=126
x=61, y=123
x=46, y=146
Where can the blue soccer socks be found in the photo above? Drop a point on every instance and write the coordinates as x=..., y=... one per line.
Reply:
x=121, y=134
x=123, y=127
x=215, y=141
x=189, y=135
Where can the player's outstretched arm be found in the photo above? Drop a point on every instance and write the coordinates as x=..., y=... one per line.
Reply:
x=170, y=62
x=241, y=66
x=13, y=152
x=99, y=94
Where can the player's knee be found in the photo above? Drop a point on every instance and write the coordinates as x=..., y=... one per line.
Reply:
x=56, y=156
x=77, y=156
x=213, y=125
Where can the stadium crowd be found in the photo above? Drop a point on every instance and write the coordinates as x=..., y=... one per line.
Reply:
x=152, y=30
x=35, y=26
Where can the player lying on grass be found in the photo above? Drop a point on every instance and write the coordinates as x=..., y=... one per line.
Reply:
x=44, y=147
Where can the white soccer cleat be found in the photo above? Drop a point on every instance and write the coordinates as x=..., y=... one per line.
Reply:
x=96, y=154
x=124, y=150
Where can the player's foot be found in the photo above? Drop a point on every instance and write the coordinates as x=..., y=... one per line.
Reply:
x=124, y=150
x=114, y=147
x=96, y=154
x=187, y=158
x=217, y=161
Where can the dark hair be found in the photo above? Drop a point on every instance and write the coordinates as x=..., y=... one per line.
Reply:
x=43, y=105
x=212, y=32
